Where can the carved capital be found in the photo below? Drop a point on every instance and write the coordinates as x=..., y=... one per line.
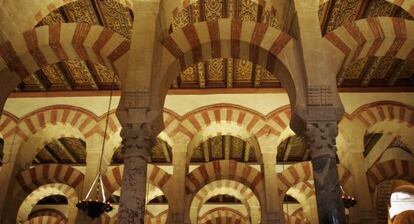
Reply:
x=320, y=139
x=137, y=139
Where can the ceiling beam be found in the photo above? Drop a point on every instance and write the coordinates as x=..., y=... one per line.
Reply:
x=48, y=151
x=206, y=151
x=201, y=72
x=230, y=72
x=247, y=149
x=227, y=146
x=67, y=151
x=166, y=152
x=288, y=149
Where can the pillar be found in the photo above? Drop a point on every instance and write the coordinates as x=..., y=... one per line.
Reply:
x=320, y=138
x=12, y=195
x=363, y=212
x=137, y=142
x=273, y=213
x=177, y=213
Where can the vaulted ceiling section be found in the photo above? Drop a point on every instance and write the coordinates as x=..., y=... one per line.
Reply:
x=370, y=71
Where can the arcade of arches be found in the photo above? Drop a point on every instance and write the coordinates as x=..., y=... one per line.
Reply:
x=223, y=111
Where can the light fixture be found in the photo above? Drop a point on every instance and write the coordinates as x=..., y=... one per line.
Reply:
x=98, y=206
x=348, y=201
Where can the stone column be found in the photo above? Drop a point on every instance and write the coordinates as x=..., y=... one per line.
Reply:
x=274, y=210
x=137, y=140
x=320, y=139
x=363, y=211
x=177, y=213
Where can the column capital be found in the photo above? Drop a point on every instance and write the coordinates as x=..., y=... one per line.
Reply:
x=321, y=138
x=137, y=139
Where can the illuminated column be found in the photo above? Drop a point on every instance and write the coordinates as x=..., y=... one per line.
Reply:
x=320, y=138
x=177, y=214
x=273, y=212
x=137, y=142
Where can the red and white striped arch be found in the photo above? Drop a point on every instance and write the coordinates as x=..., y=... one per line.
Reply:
x=226, y=187
x=390, y=170
x=224, y=119
x=374, y=113
x=40, y=175
x=225, y=170
x=8, y=124
x=46, y=45
x=112, y=180
x=222, y=38
x=46, y=220
x=44, y=191
x=223, y=215
x=302, y=192
x=375, y=36
x=301, y=172
x=52, y=123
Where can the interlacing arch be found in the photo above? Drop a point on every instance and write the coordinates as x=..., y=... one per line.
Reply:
x=26, y=53
x=44, y=191
x=390, y=170
x=226, y=187
x=112, y=180
x=374, y=36
x=37, y=176
x=223, y=215
x=301, y=172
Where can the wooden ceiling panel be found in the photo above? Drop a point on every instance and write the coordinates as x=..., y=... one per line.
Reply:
x=160, y=153
x=292, y=149
x=63, y=150
x=224, y=147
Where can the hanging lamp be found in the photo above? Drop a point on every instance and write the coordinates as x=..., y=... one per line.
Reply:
x=98, y=206
x=348, y=201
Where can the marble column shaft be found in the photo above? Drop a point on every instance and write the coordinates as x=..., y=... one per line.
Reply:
x=320, y=138
x=137, y=141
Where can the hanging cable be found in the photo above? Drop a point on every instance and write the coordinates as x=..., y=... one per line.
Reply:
x=95, y=208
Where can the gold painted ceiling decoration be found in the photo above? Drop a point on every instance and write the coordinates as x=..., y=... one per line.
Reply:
x=107, y=13
x=377, y=71
x=226, y=73
x=209, y=10
x=224, y=147
x=160, y=153
x=64, y=150
x=74, y=74
x=335, y=13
